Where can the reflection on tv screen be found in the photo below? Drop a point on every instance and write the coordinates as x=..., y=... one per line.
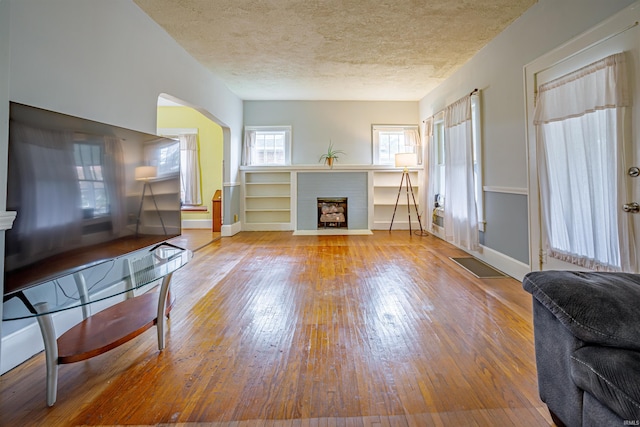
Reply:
x=84, y=192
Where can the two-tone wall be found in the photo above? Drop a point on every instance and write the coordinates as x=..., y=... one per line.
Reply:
x=210, y=152
x=497, y=70
x=109, y=62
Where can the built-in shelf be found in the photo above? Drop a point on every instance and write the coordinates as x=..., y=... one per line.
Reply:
x=268, y=197
x=159, y=208
x=386, y=189
x=267, y=200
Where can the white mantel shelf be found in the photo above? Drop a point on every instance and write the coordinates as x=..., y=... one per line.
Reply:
x=6, y=220
x=270, y=196
x=323, y=168
x=332, y=232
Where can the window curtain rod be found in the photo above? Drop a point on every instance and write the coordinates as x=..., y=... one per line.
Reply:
x=599, y=42
x=473, y=92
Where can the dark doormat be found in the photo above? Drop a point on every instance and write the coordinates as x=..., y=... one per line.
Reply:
x=478, y=268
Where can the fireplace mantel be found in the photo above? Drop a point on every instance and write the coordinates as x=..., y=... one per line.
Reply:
x=283, y=198
x=322, y=168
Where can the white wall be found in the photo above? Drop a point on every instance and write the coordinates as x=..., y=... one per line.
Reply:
x=4, y=126
x=105, y=61
x=346, y=123
x=498, y=71
x=108, y=61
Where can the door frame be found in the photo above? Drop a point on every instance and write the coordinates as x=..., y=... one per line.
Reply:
x=622, y=21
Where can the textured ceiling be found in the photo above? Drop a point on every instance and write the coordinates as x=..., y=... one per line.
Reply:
x=333, y=49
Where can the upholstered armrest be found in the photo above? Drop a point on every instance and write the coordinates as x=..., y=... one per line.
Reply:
x=598, y=308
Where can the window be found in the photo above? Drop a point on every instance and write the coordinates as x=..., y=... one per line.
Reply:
x=477, y=158
x=439, y=155
x=579, y=119
x=267, y=146
x=456, y=151
x=389, y=140
x=179, y=149
x=438, y=138
x=164, y=154
x=89, y=161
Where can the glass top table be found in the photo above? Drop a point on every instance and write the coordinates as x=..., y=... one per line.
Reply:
x=126, y=275
x=139, y=306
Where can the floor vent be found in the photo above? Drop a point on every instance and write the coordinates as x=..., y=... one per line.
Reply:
x=478, y=268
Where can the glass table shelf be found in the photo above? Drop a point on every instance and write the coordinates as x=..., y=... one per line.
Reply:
x=130, y=275
x=138, y=308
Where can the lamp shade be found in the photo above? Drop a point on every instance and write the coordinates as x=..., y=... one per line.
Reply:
x=404, y=160
x=146, y=172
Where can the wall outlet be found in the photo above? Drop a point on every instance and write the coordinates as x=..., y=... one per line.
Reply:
x=235, y=218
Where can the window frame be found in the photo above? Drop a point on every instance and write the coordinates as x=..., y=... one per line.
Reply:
x=95, y=177
x=375, y=143
x=438, y=153
x=287, y=130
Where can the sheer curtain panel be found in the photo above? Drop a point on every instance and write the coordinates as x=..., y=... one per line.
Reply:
x=40, y=156
x=579, y=127
x=189, y=170
x=248, y=146
x=430, y=167
x=412, y=140
x=461, y=217
x=114, y=170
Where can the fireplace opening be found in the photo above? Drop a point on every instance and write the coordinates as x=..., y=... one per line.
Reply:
x=332, y=212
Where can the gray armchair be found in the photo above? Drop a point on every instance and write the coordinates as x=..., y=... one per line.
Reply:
x=587, y=341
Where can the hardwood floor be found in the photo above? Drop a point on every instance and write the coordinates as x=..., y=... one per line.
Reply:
x=269, y=329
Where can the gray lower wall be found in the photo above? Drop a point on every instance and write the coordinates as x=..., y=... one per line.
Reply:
x=497, y=70
x=231, y=204
x=352, y=185
x=507, y=228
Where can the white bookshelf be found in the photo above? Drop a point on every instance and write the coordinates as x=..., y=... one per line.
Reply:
x=161, y=199
x=385, y=193
x=270, y=200
x=267, y=200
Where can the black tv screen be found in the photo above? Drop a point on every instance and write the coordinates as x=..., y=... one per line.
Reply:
x=85, y=192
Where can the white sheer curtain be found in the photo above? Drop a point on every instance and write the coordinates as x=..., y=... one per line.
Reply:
x=189, y=170
x=248, y=146
x=430, y=166
x=578, y=120
x=116, y=191
x=461, y=217
x=45, y=161
x=412, y=139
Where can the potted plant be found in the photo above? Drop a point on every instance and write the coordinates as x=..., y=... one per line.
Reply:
x=330, y=156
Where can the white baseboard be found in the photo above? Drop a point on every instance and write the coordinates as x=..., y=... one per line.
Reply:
x=510, y=266
x=267, y=226
x=397, y=225
x=20, y=345
x=196, y=223
x=231, y=230
x=506, y=264
x=332, y=232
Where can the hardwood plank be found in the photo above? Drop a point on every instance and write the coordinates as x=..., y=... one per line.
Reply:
x=274, y=330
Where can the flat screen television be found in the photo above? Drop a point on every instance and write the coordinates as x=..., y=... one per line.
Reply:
x=85, y=192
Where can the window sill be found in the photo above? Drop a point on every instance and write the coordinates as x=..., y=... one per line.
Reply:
x=190, y=208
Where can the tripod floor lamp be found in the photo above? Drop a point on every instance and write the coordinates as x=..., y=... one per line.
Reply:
x=404, y=160
x=146, y=174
